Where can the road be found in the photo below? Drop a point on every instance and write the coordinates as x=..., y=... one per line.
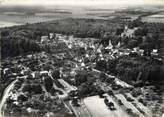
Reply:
x=5, y=96
x=64, y=95
x=67, y=86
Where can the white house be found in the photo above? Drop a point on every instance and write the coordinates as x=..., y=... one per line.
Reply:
x=154, y=52
x=44, y=39
x=51, y=35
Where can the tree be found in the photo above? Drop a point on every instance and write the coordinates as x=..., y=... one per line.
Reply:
x=75, y=102
x=100, y=93
x=48, y=83
x=56, y=74
x=9, y=100
x=149, y=44
x=115, y=40
x=102, y=76
x=120, y=102
x=26, y=88
x=140, y=32
x=80, y=77
x=136, y=92
x=129, y=99
x=111, y=66
x=18, y=85
x=101, y=65
x=110, y=93
x=81, y=51
x=22, y=98
x=129, y=110
x=53, y=91
x=37, y=89
x=4, y=33
x=125, y=40
x=135, y=23
x=86, y=89
x=105, y=38
x=119, y=31
x=133, y=43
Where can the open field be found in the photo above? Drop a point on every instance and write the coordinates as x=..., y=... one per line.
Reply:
x=8, y=24
x=12, y=20
x=97, y=108
x=152, y=19
x=35, y=15
x=157, y=18
x=11, y=16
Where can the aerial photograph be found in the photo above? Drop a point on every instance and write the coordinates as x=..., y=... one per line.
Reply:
x=82, y=58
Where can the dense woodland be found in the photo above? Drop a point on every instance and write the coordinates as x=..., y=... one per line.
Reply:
x=18, y=42
x=137, y=70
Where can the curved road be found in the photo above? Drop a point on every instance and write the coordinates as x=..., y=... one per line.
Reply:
x=5, y=96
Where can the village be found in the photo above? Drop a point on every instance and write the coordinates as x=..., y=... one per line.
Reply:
x=66, y=79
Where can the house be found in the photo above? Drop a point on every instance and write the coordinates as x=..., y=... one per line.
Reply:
x=30, y=56
x=136, y=49
x=141, y=51
x=44, y=39
x=51, y=35
x=110, y=46
x=118, y=45
x=128, y=32
x=154, y=52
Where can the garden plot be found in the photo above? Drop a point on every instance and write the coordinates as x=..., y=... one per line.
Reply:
x=129, y=105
